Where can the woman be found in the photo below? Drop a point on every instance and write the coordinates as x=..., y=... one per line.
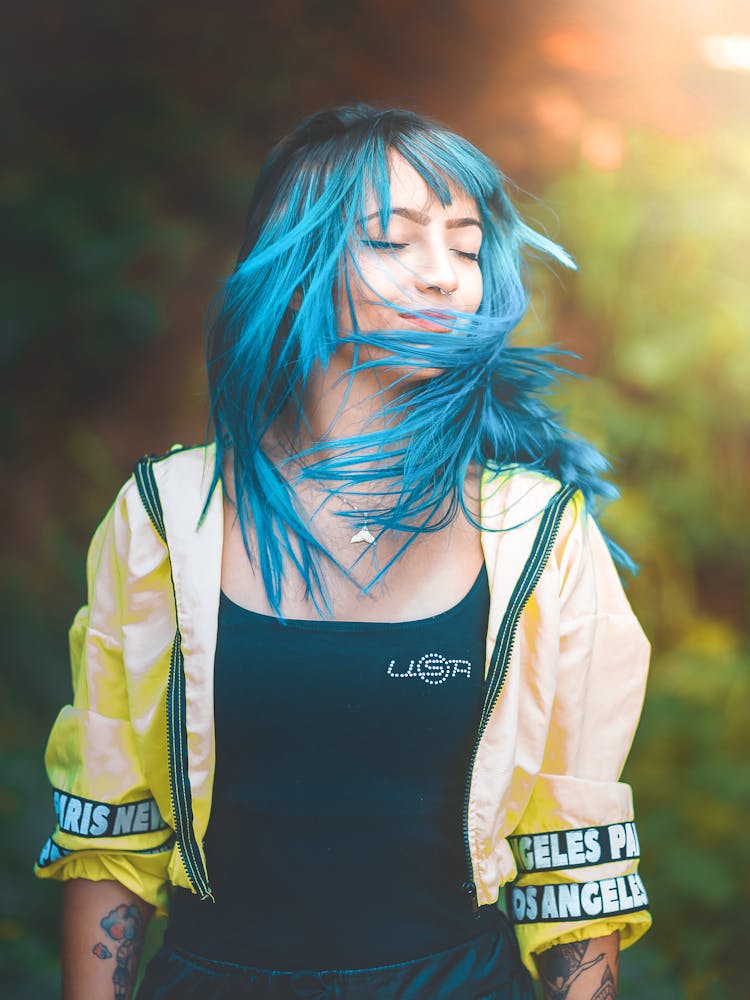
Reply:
x=366, y=659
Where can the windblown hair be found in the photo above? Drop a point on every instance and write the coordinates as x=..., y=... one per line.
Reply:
x=277, y=323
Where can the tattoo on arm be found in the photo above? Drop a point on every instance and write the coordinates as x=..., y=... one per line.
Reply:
x=123, y=926
x=607, y=988
x=560, y=966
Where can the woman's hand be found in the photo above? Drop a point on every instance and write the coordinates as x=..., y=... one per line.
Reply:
x=581, y=970
x=102, y=935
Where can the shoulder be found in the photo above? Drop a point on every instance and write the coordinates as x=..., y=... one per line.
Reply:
x=521, y=515
x=182, y=461
x=512, y=496
x=183, y=477
x=180, y=478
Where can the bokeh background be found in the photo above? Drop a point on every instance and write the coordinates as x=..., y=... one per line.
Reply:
x=133, y=132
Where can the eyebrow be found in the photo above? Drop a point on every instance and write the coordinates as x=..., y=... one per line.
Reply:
x=423, y=220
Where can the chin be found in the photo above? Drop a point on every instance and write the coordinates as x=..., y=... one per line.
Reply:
x=413, y=376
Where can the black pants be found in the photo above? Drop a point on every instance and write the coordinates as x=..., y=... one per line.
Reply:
x=486, y=968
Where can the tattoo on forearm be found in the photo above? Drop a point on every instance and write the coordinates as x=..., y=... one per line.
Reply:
x=560, y=966
x=123, y=926
x=607, y=988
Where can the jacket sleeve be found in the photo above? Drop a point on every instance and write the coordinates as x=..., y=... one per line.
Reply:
x=576, y=845
x=108, y=823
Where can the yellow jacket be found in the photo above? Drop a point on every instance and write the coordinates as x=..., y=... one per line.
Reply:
x=132, y=759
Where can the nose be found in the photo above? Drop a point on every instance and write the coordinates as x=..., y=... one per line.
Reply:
x=437, y=274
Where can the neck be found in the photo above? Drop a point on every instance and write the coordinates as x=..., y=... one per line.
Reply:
x=338, y=405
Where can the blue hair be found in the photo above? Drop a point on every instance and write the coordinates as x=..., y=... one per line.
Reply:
x=276, y=323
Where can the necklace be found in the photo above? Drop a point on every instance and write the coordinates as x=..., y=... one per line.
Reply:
x=364, y=534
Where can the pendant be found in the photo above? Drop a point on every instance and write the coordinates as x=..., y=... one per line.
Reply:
x=363, y=535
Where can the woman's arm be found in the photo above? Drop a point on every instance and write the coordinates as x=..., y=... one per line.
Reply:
x=581, y=970
x=103, y=924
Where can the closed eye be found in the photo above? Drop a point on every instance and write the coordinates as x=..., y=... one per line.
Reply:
x=387, y=245
x=384, y=245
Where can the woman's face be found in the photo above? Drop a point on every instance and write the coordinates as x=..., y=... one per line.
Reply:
x=427, y=259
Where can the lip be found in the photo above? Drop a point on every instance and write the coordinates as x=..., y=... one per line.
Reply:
x=422, y=318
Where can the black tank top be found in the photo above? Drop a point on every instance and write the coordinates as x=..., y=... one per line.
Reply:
x=342, y=748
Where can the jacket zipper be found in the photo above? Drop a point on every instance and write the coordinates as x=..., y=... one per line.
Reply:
x=506, y=636
x=177, y=753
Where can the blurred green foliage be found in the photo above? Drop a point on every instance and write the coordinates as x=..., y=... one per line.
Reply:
x=659, y=314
